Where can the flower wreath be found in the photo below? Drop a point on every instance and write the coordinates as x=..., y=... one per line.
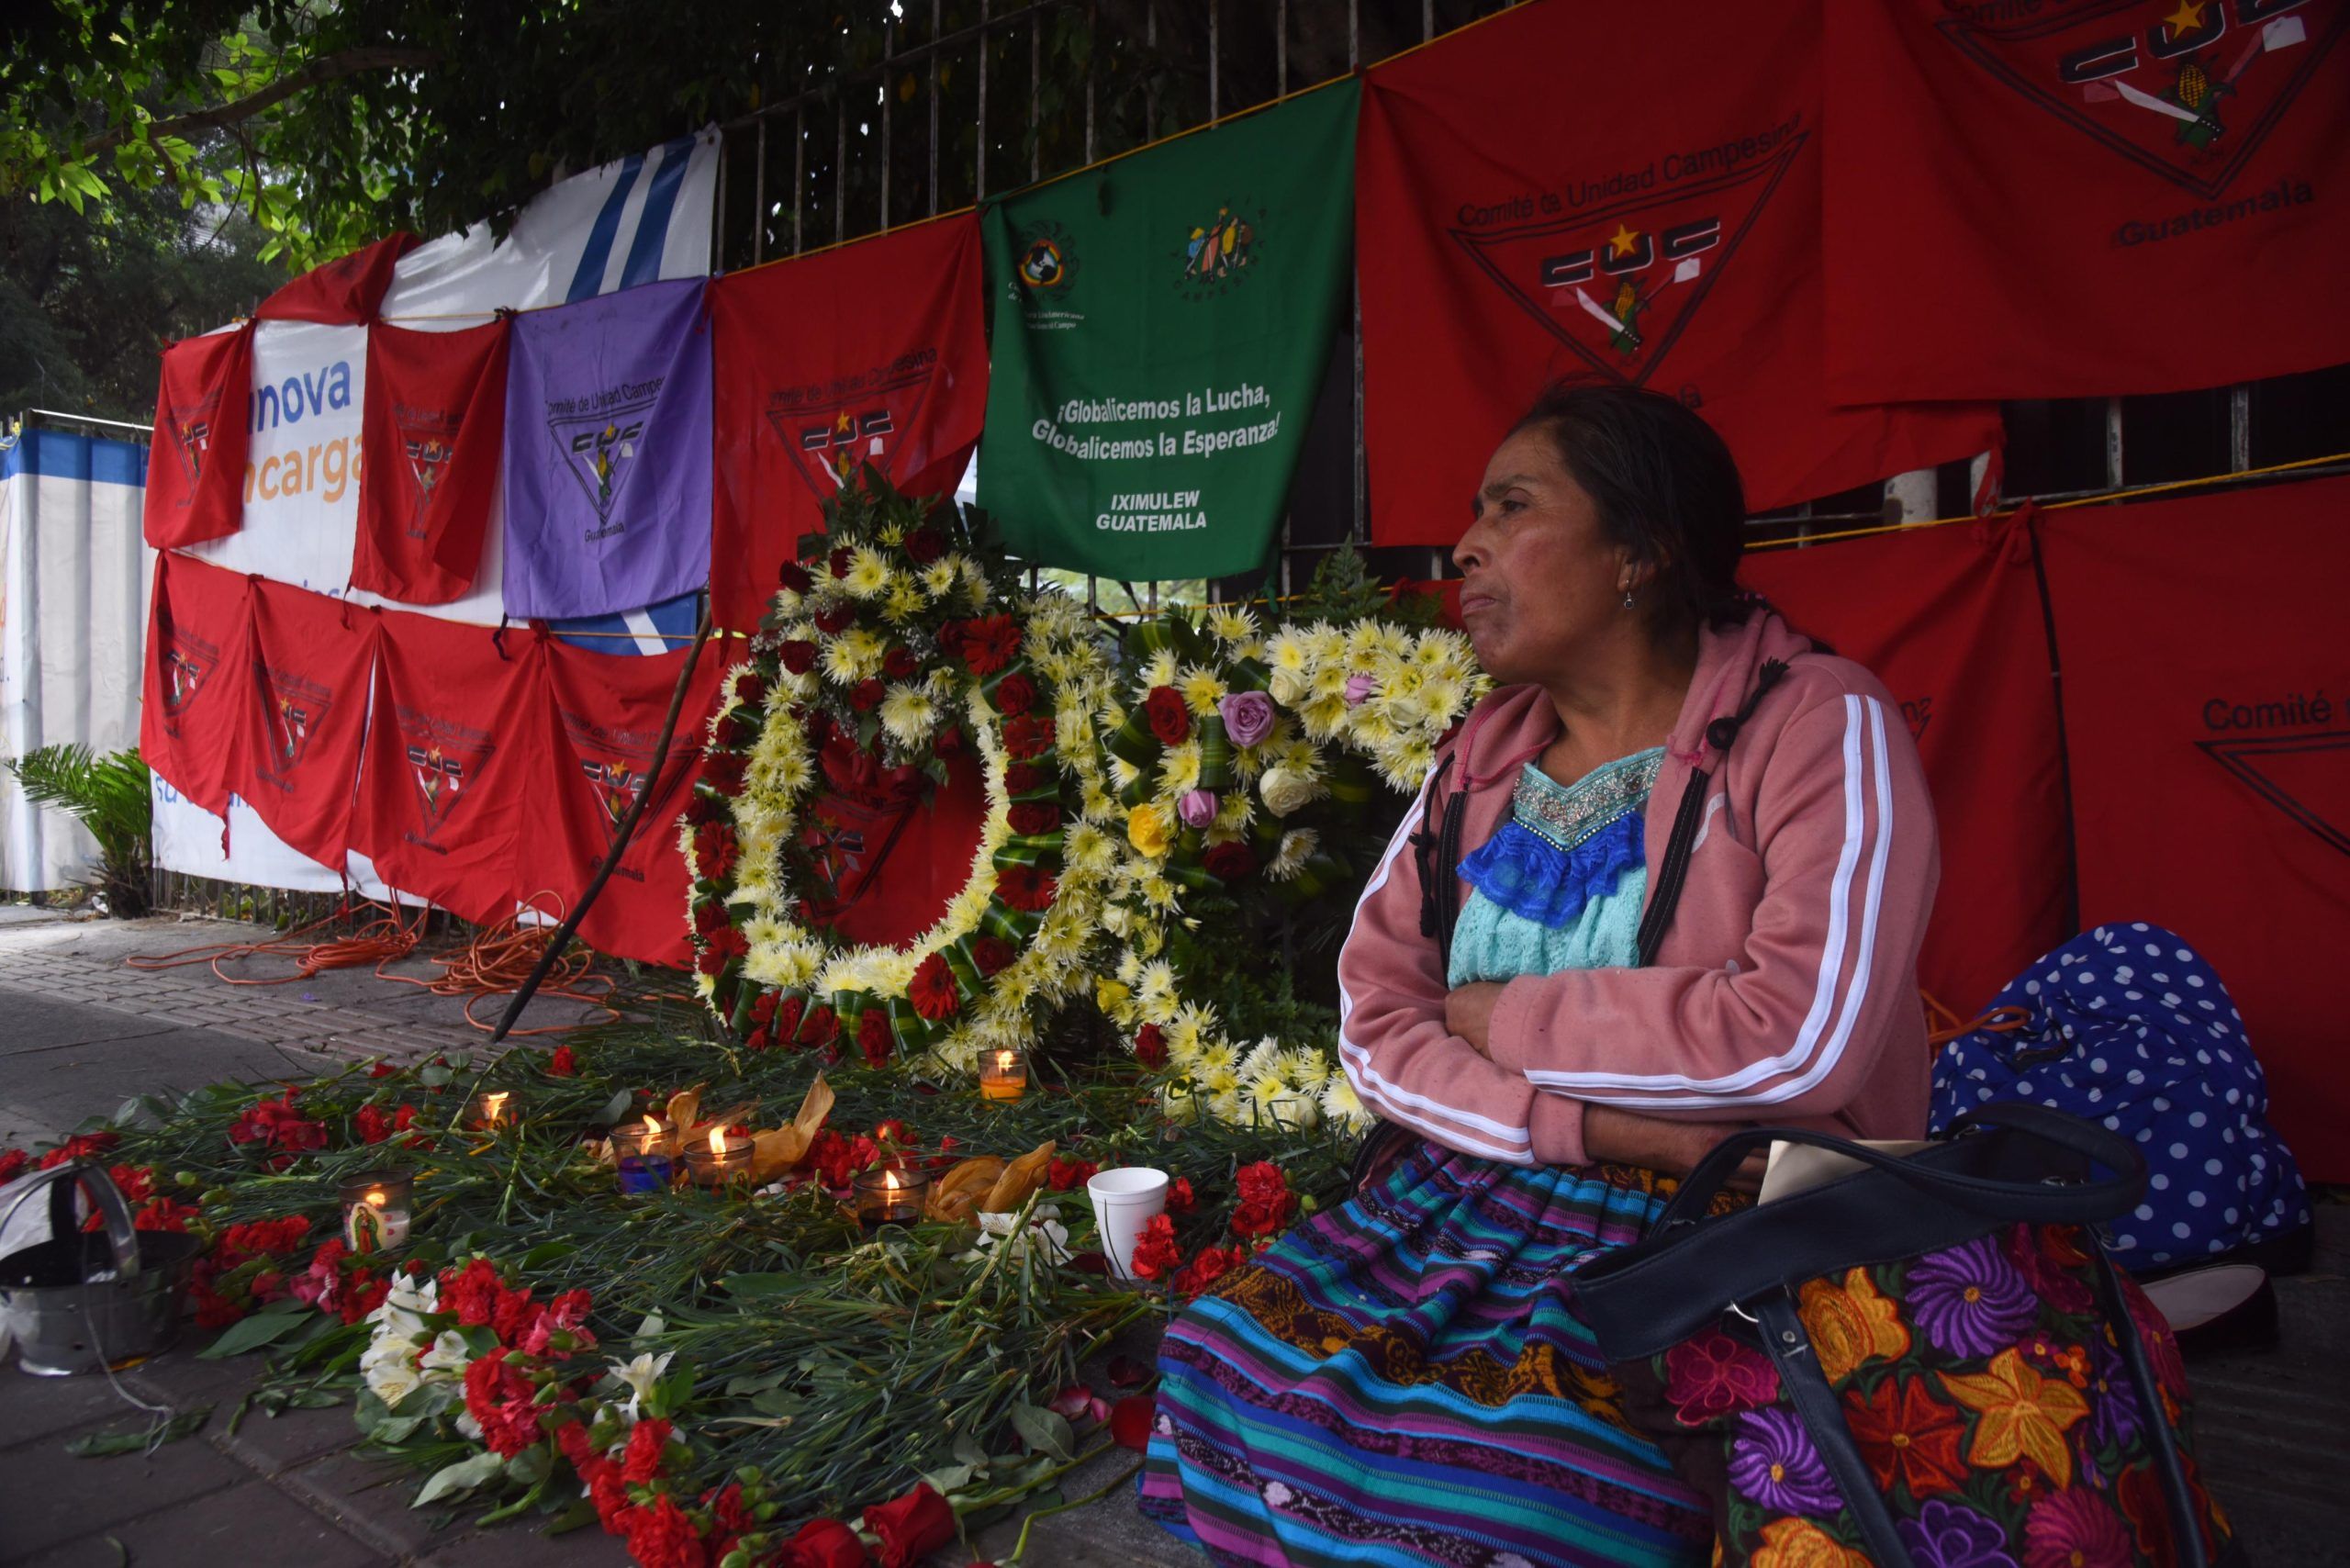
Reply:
x=904, y=639
x=1248, y=757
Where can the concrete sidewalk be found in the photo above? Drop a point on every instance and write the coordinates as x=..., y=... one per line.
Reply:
x=80, y=1032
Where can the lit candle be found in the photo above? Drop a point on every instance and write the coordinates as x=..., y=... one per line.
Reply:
x=642, y=1155
x=890, y=1197
x=724, y=1157
x=376, y=1215
x=1003, y=1075
x=489, y=1110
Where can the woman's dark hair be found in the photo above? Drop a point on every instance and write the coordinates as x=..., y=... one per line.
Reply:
x=1667, y=488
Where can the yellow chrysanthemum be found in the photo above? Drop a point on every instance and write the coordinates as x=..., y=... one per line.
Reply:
x=868, y=573
x=908, y=714
x=1201, y=690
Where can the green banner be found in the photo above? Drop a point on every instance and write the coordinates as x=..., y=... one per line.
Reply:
x=1163, y=325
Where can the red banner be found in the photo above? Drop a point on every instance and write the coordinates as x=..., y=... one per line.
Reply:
x=1949, y=620
x=892, y=850
x=2164, y=203
x=304, y=714
x=434, y=431
x=870, y=353
x=445, y=788
x=594, y=755
x=343, y=292
x=196, y=651
x=2205, y=674
x=1656, y=222
x=197, y=475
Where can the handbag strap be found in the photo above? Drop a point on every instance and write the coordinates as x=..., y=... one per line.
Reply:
x=2084, y=1203
x=1690, y=815
x=1806, y=1389
x=2185, y=1523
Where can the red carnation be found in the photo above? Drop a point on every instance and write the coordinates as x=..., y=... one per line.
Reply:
x=1031, y=735
x=1022, y=778
x=794, y=575
x=950, y=638
x=841, y=558
x=370, y=1121
x=662, y=1535
x=1230, y=862
x=799, y=657
x=823, y=1026
x=933, y=991
x=873, y=1036
x=866, y=695
x=723, y=771
x=1016, y=696
x=1211, y=1265
x=1166, y=714
x=710, y=917
x=924, y=545
x=948, y=742
x=1150, y=1045
x=1035, y=816
x=750, y=688
x=1064, y=1173
x=83, y=1144
x=912, y=1527
x=1024, y=888
x=991, y=955
x=988, y=646
x=737, y=729
x=785, y=1021
x=500, y=1398
x=1156, y=1253
x=642, y=1462
x=899, y=663
x=834, y=618
x=1179, y=1196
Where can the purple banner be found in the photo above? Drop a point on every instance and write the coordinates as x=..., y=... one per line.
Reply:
x=608, y=452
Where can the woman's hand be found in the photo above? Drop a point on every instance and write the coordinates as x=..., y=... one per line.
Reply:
x=1468, y=1012
x=1669, y=1147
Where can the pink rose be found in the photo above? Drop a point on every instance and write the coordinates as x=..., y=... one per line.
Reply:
x=1197, y=808
x=1247, y=716
x=1358, y=690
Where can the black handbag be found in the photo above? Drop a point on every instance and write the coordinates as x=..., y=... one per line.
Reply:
x=1931, y=1352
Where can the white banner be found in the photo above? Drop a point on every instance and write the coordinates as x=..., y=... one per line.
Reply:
x=73, y=619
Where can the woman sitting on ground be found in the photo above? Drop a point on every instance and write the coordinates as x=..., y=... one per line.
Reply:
x=1552, y=1037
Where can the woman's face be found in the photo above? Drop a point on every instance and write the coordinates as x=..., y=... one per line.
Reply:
x=1541, y=575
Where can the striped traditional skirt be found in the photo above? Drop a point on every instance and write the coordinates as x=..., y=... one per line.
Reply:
x=1403, y=1380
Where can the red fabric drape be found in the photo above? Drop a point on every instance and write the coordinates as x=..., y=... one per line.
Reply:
x=434, y=431
x=2203, y=651
x=1950, y=621
x=873, y=353
x=2108, y=197
x=197, y=665
x=1651, y=216
x=196, y=478
x=303, y=715
x=343, y=292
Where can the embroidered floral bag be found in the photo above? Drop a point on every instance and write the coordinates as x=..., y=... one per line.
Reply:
x=1929, y=1361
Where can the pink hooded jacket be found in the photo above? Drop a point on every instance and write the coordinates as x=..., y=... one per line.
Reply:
x=1786, y=989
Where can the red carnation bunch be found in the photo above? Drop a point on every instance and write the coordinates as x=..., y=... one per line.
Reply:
x=1016, y=696
x=1156, y=1253
x=563, y=1064
x=1067, y=1172
x=324, y=1286
x=1024, y=888
x=503, y=1400
x=81, y=1146
x=1212, y=1264
x=1168, y=715
x=1266, y=1202
x=11, y=1164
x=835, y=1159
x=987, y=645
x=933, y=991
x=278, y=1124
x=1029, y=736
x=873, y=1036
x=242, y=1270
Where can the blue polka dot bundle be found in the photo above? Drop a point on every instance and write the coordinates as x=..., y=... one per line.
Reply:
x=2128, y=1027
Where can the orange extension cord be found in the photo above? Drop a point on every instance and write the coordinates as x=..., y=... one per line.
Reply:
x=1948, y=1026
x=494, y=962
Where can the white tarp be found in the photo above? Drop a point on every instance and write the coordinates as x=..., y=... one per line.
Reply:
x=73, y=622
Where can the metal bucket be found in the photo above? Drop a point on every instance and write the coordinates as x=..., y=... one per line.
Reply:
x=82, y=1300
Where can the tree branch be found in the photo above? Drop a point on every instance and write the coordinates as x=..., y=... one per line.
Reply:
x=316, y=73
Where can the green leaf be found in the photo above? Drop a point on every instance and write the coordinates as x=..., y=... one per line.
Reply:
x=455, y=1480
x=1043, y=1431
x=531, y=1465
x=263, y=1327
x=615, y=1109
x=102, y=1445
x=759, y=1287
x=546, y=1252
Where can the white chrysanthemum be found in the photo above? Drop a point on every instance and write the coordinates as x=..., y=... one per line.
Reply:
x=1157, y=670
x=868, y=573
x=1342, y=1105
x=908, y=714
x=1201, y=688
x=939, y=578
x=1178, y=770
x=1324, y=716
x=1297, y=846
x=1156, y=980
x=975, y=583
x=1238, y=629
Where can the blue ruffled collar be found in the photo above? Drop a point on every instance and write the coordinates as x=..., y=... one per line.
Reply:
x=1565, y=845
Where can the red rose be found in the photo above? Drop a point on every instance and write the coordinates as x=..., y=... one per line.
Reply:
x=948, y=742
x=1022, y=778
x=950, y=638
x=991, y=954
x=1029, y=736
x=1169, y=717
x=924, y=545
x=723, y=771
x=824, y=1543
x=794, y=575
x=866, y=695
x=1016, y=696
x=988, y=646
x=563, y=1064
x=873, y=1036
x=799, y=656
x=1156, y=1253
x=1035, y=817
x=912, y=1527
x=933, y=991
x=750, y=688
x=705, y=808
x=1024, y=888
x=839, y=562
x=1150, y=1045
x=898, y=664
x=1230, y=862
x=834, y=618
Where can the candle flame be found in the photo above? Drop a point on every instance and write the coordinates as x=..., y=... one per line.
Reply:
x=492, y=1105
x=651, y=1128
x=890, y=1180
x=1003, y=1062
x=718, y=1140
x=376, y=1198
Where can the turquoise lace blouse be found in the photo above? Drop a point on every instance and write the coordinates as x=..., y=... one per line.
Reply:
x=1559, y=886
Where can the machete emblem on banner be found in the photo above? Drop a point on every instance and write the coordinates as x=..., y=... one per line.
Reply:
x=444, y=765
x=193, y=427
x=2306, y=776
x=2187, y=89
x=600, y=449
x=1618, y=285
x=185, y=662
x=1218, y=253
x=294, y=706
x=861, y=421
x=428, y=440
x=615, y=765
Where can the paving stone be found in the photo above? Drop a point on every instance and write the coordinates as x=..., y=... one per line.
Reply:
x=34, y=1408
x=251, y=1523
x=272, y=1443
x=519, y=1546
x=368, y=1497
x=53, y=1497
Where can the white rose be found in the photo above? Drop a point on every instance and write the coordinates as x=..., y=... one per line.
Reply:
x=1284, y=790
x=1286, y=687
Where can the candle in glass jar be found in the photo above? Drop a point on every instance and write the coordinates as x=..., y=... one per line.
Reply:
x=489, y=1110
x=719, y=1160
x=375, y=1212
x=891, y=1197
x=1003, y=1075
x=641, y=1152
